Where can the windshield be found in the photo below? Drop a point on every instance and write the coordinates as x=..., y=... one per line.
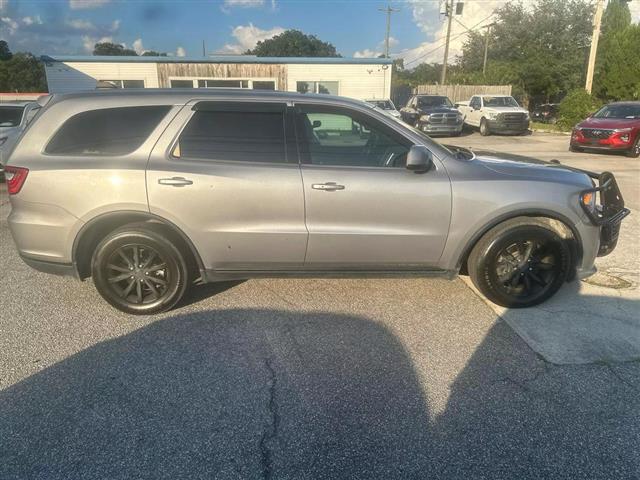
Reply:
x=618, y=111
x=10, y=116
x=427, y=102
x=383, y=104
x=500, y=102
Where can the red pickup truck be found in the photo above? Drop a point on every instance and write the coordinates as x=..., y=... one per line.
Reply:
x=615, y=127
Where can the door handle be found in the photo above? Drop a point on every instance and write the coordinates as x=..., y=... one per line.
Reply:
x=328, y=187
x=175, y=181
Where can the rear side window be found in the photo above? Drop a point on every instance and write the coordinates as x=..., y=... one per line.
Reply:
x=237, y=135
x=109, y=131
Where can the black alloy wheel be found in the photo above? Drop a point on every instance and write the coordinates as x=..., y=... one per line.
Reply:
x=139, y=271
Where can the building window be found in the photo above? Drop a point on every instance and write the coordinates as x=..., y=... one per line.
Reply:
x=264, y=85
x=330, y=88
x=181, y=83
x=120, y=84
x=223, y=83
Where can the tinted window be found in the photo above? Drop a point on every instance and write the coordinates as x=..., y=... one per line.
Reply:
x=427, y=102
x=10, y=116
x=109, y=131
x=242, y=136
x=629, y=111
x=330, y=136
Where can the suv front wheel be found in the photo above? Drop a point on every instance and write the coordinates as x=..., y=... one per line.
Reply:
x=520, y=263
x=139, y=271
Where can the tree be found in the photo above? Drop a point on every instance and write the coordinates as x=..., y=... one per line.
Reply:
x=575, y=107
x=22, y=73
x=542, y=48
x=616, y=17
x=113, y=49
x=5, y=52
x=153, y=53
x=293, y=43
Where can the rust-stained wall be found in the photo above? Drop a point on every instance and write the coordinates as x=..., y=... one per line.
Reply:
x=224, y=70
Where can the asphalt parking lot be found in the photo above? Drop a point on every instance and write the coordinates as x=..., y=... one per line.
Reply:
x=300, y=379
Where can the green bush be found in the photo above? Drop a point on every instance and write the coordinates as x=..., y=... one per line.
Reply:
x=575, y=107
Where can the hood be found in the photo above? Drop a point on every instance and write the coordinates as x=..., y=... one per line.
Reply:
x=439, y=109
x=505, y=109
x=609, y=123
x=531, y=168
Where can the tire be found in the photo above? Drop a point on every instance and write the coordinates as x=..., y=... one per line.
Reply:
x=147, y=290
x=520, y=263
x=484, y=128
x=634, y=152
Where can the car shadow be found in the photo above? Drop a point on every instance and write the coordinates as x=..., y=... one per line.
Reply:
x=222, y=394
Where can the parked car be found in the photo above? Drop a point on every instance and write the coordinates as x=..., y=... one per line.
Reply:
x=147, y=191
x=386, y=106
x=615, y=127
x=495, y=114
x=433, y=114
x=545, y=113
x=14, y=117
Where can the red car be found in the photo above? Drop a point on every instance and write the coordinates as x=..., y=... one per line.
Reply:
x=615, y=127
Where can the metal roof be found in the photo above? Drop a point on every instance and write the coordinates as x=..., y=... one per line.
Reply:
x=217, y=59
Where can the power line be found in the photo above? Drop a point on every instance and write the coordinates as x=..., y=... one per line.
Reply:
x=455, y=37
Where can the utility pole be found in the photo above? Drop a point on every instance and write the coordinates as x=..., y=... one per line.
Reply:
x=449, y=13
x=486, y=48
x=388, y=11
x=597, y=22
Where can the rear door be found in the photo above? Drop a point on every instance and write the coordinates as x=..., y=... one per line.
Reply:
x=231, y=180
x=364, y=209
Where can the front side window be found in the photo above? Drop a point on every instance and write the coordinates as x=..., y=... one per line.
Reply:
x=337, y=136
x=239, y=135
x=108, y=131
x=330, y=88
x=10, y=116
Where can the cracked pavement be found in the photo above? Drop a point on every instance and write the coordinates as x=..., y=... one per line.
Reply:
x=297, y=379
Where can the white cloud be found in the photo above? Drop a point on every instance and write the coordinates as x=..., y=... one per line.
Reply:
x=427, y=17
x=181, y=52
x=366, y=53
x=79, y=24
x=10, y=24
x=243, y=3
x=28, y=21
x=88, y=42
x=87, y=4
x=635, y=10
x=138, y=47
x=247, y=36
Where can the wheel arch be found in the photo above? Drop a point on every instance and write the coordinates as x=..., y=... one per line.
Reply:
x=94, y=231
x=556, y=221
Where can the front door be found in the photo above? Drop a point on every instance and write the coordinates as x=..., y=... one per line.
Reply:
x=231, y=180
x=364, y=209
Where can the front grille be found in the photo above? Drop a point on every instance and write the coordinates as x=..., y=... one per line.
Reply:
x=444, y=118
x=597, y=133
x=514, y=117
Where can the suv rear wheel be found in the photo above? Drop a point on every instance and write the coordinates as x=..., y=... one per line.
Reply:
x=139, y=271
x=519, y=263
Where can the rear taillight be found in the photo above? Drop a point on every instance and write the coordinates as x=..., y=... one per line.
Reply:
x=15, y=177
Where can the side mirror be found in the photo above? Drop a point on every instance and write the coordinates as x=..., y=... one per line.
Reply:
x=419, y=159
x=316, y=124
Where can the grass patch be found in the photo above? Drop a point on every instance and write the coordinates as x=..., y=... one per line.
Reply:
x=547, y=127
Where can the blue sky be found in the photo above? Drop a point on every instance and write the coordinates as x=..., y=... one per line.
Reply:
x=355, y=27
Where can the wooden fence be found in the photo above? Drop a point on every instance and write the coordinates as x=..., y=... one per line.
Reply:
x=460, y=93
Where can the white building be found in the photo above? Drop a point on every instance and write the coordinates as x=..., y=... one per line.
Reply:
x=361, y=78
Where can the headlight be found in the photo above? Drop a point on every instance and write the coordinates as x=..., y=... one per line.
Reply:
x=492, y=116
x=424, y=118
x=588, y=201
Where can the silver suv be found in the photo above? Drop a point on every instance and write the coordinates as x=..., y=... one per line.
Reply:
x=150, y=191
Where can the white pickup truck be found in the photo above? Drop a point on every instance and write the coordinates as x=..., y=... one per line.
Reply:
x=495, y=114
